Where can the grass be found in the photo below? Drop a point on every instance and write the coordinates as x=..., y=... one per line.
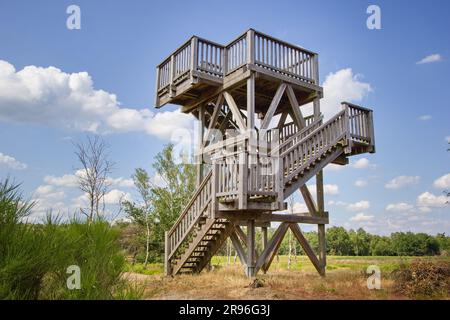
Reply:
x=346, y=279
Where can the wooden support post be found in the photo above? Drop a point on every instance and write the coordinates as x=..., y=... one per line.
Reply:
x=264, y=242
x=167, y=266
x=201, y=126
x=243, y=182
x=251, y=248
x=251, y=102
x=322, y=248
x=239, y=249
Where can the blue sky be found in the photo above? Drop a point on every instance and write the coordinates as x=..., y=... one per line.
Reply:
x=121, y=42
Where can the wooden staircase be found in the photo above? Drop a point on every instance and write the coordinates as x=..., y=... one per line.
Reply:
x=197, y=234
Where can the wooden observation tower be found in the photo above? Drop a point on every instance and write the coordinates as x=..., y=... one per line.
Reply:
x=256, y=147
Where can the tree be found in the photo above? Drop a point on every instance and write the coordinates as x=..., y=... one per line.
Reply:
x=360, y=242
x=92, y=179
x=162, y=202
x=172, y=194
x=338, y=241
x=142, y=213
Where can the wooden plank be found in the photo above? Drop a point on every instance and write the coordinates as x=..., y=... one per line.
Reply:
x=273, y=106
x=322, y=248
x=305, y=245
x=251, y=248
x=309, y=201
x=235, y=110
x=296, y=112
x=266, y=259
x=214, y=117
x=239, y=249
x=251, y=102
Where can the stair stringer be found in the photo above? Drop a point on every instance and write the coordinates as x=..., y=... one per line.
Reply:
x=327, y=158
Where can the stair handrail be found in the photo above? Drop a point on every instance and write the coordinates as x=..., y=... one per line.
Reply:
x=185, y=211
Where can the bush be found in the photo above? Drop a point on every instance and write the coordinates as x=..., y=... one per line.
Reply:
x=34, y=258
x=423, y=279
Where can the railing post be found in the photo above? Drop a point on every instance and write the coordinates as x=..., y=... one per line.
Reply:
x=157, y=86
x=167, y=266
x=194, y=59
x=316, y=68
x=348, y=148
x=171, y=74
x=243, y=183
x=214, y=188
x=371, y=131
x=251, y=46
x=224, y=61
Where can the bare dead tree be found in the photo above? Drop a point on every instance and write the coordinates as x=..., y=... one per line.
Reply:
x=93, y=178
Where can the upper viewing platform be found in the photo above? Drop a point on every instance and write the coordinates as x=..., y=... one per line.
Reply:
x=201, y=68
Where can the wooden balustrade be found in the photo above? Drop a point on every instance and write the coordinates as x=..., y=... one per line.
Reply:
x=199, y=205
x=236, y=53
x=252, y=47
x=282, y=57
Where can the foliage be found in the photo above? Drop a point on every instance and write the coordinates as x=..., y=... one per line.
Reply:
x=34, y=257
x=161, y=203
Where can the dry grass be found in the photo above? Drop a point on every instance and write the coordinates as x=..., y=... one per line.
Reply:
x=346, y=279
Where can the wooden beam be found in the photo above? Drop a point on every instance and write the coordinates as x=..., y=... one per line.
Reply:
x=282, y=119
x=238, y=247
x=214, y=117
x=201, y=127
x=251, y=102
x=309, y=201
x=266, y=257
x=319, y=191
x=235, y=110
x=305, y=245
x=273, y=106
x=240, y=233
x=322, y=248
x=305, y=217
x=297, y=114
x=251, y=272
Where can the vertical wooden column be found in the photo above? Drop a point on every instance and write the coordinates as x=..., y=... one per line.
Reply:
x=251, y=248
x=201, y=126
x=264, y=242
x=167, y=266
x=320, y=203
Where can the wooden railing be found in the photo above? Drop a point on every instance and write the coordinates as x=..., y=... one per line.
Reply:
x=236, y=54
x=199, y=205
x=252, y=47
x=360, y=123
x=209, y=58
x=244, y=175
x=352, y=124
x=285, y=58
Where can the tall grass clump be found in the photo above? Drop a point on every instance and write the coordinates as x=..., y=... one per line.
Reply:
x=34, y=257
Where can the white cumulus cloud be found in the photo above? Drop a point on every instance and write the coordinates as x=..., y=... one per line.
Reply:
x=11, y=162
x=402, y=181
x=428, y=199
x=358, y=206
x=361, y=183
x=343, y=85
x=399, y=207
x=362, y=217
x=442, y=182
x=48, y=96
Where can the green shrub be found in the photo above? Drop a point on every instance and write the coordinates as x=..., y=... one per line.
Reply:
x=34, y=257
